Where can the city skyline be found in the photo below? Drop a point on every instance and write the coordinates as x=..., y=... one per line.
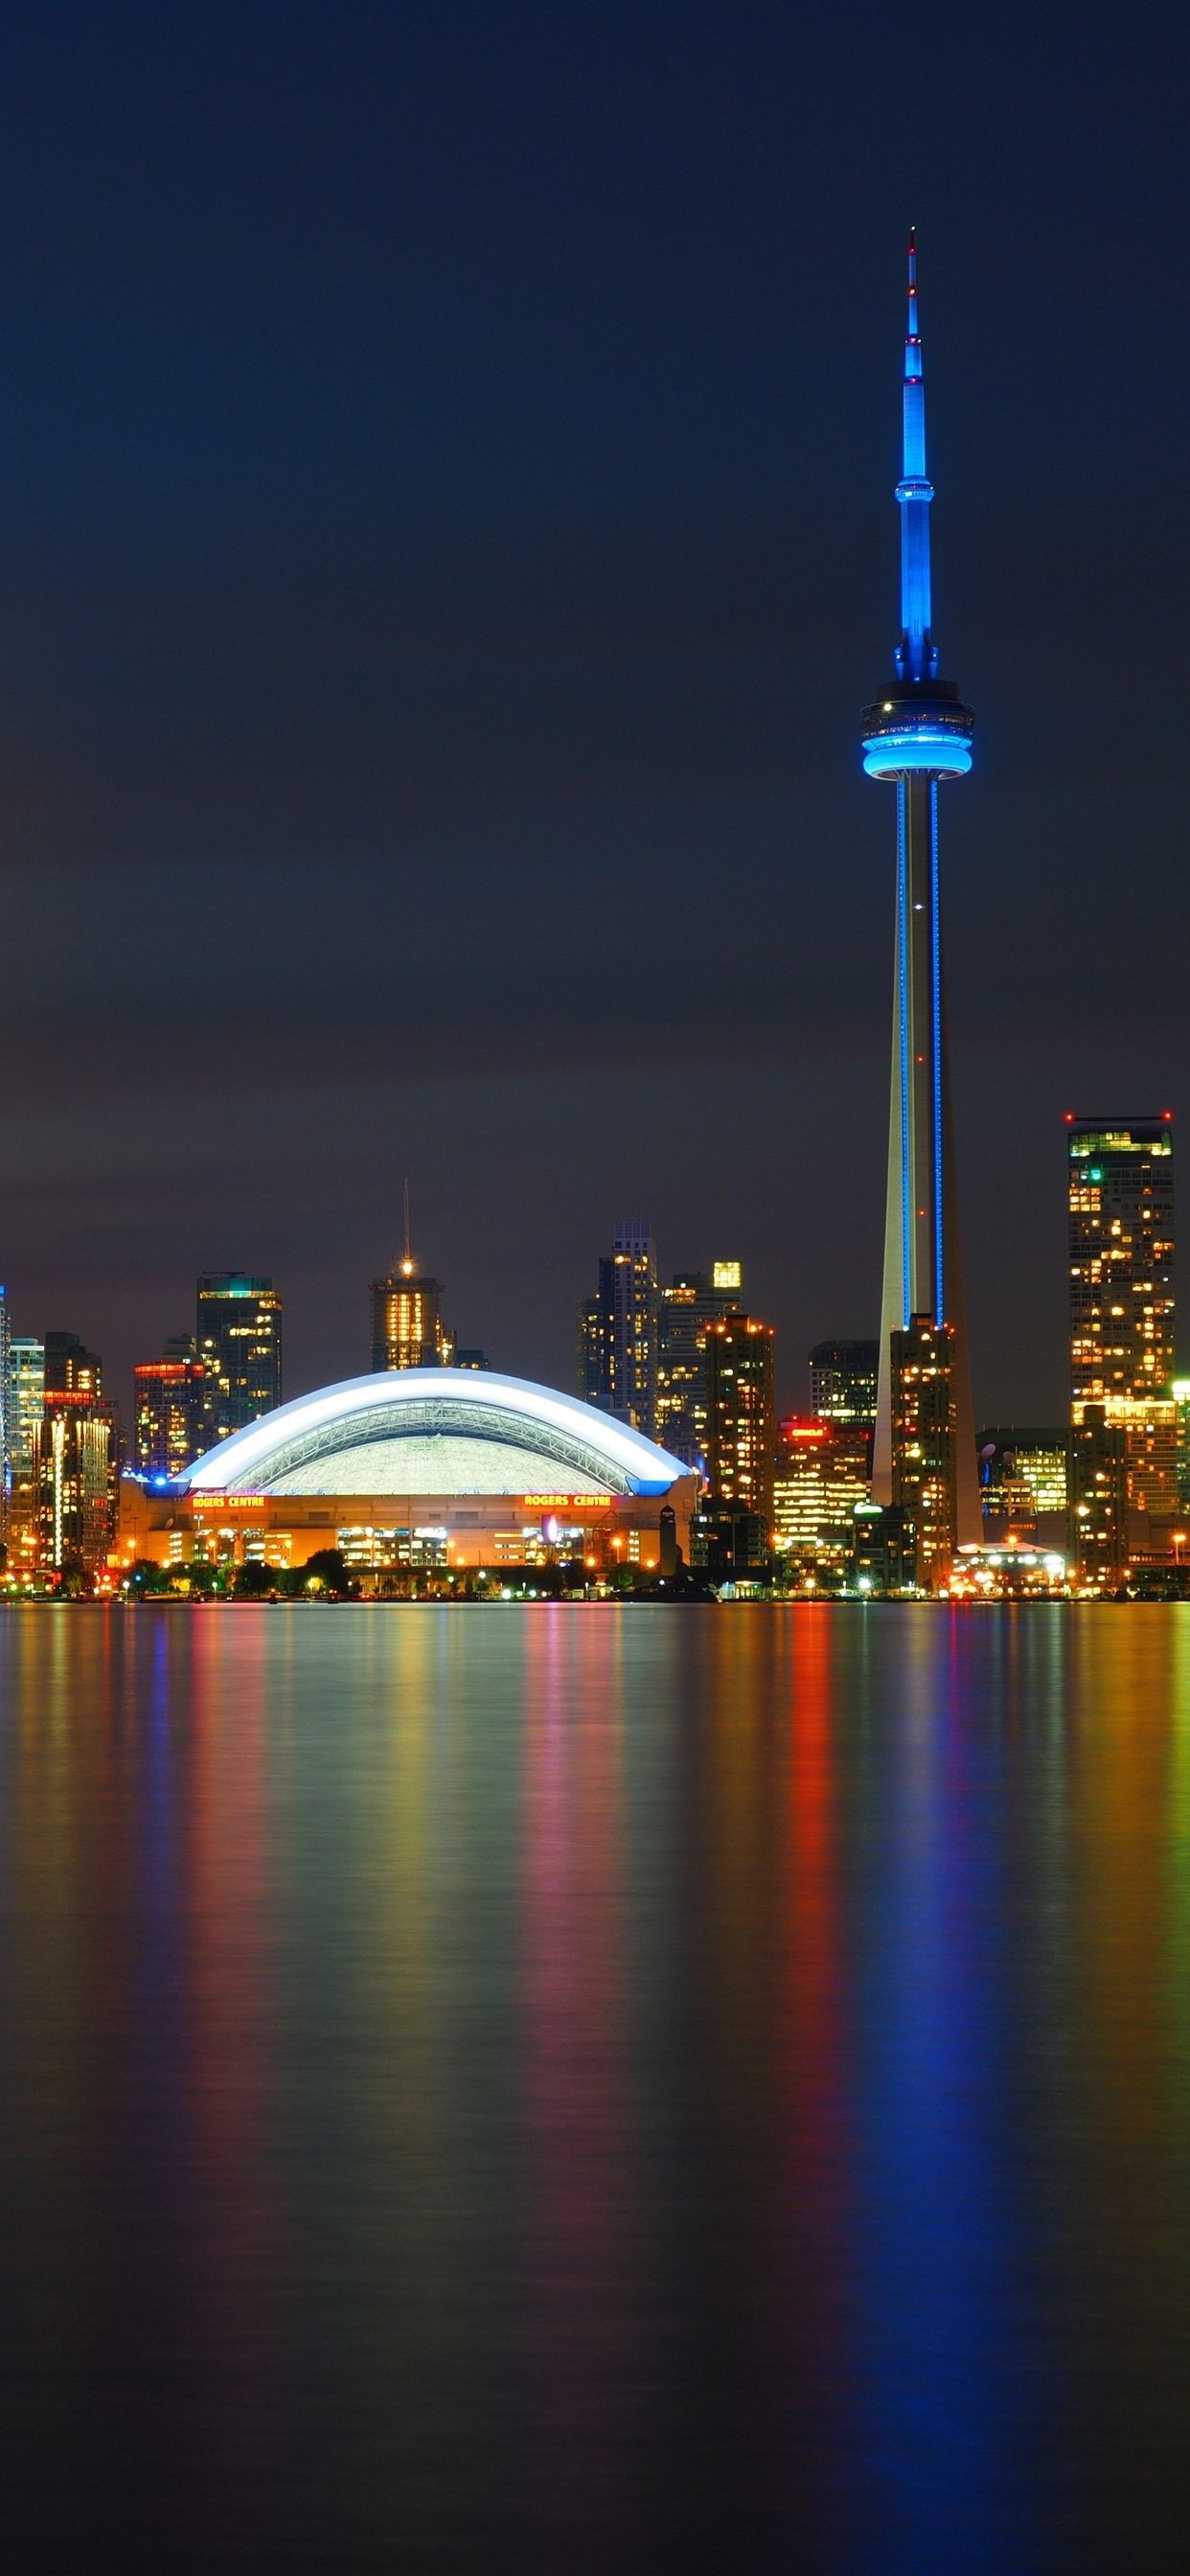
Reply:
x=362, y=541
x=594, y=1432
x=1098, y=1504
x=794, y=1365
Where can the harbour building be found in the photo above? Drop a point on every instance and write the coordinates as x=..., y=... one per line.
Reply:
x=916, y=737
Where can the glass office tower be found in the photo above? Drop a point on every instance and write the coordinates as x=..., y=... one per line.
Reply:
x=238, y=1341
x=1123, y=1408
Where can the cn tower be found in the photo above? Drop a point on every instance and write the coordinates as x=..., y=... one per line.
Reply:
x=917, y=734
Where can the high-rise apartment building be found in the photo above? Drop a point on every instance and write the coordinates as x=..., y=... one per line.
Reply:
x=170, y=1399
x=924, y=1423
x=617, y=1332
x=74, y=1484
x=740, y=1414
x=76, y=1461
x=634, y=1326
x=26, y=1404
x=1120, y=1198
x=917, y=735
x=844, y=1381
x=1099, y=1533
x=693, y=1299
x=595, y=1343
x=238, y=1341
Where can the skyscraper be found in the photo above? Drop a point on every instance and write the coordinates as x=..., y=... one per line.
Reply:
x=740, y=1414
x=238, y=1340
x=595, y=1343
x=76, y=1458
x=170, y=1398
x=26, y=1403
x=693, y=1299
x=923, y=1442
x=1120, y=1198
x=617, y=1331
x=917, y=734
x=634, y=1325
x=407, y=1327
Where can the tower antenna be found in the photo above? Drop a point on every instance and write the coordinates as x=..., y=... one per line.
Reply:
x=407, y=1260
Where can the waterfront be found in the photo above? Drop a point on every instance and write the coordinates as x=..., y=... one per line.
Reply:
x=600, y=2089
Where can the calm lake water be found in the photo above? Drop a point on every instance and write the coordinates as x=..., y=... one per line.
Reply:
x=546, y=2088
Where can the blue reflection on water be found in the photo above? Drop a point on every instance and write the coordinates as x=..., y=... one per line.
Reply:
x=606, y=2089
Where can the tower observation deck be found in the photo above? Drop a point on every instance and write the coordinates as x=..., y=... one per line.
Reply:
x=917, y=733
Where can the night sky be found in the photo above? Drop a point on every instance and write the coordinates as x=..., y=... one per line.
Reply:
x=446, y=539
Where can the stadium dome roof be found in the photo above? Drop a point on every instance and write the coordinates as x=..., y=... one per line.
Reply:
x=435, y=1431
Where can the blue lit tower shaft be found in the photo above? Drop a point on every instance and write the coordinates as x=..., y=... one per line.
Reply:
x=917, y=734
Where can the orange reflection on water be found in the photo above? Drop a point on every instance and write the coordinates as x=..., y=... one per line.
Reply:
x=226, y=1879
x=577, y=2114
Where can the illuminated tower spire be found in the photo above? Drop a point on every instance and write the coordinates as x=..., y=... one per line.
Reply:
x=916, y=656
x=918, y=734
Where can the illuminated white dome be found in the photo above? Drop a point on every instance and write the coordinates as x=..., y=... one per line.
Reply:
x=436, y=1431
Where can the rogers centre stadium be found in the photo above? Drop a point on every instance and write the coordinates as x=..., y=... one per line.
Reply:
x=420, y=1467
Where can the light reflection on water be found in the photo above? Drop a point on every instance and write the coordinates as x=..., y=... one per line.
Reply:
x=597, y=2089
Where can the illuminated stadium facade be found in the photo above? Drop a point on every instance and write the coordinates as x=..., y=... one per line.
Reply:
x=415, y=1468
